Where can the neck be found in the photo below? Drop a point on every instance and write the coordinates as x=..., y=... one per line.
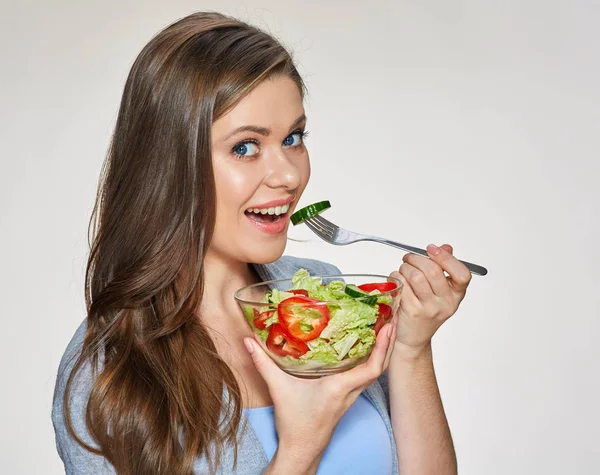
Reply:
x=222, y=277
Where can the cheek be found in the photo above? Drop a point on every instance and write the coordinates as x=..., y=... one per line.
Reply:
x=234, y=188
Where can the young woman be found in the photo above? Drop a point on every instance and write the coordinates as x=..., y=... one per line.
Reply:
x=163, y=376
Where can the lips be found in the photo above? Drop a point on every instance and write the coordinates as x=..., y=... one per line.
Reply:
x=273, y=203
x=269, y=223
x=277, y=210
x=265, y=218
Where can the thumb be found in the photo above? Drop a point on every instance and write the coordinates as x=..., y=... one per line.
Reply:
x=267, y=368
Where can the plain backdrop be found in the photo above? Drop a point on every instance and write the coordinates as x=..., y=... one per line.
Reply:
x=475, y=123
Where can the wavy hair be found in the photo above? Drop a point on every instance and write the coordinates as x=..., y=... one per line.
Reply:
x=157, y=398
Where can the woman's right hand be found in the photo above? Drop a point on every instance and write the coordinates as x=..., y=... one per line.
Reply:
x=308, y=410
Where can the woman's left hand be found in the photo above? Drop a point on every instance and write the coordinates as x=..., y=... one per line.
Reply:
x=429, y=297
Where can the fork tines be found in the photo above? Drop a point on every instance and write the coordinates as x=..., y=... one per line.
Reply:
x=322, y=227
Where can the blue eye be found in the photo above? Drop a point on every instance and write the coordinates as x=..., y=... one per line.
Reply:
x=294, y=139
x=245, y=149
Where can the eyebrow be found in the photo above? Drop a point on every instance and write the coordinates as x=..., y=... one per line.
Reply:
x=262, y=130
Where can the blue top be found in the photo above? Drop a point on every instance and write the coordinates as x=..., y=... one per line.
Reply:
x=360, y=444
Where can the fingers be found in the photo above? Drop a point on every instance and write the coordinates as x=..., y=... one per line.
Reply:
x=267, y=368
x=408, y=297
x=432, y=271
x=460, y=276
x=390, y=350
x=377, y=358
x=416, y=279
x=448, y=248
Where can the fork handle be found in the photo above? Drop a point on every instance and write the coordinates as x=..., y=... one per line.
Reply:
x=474, y=268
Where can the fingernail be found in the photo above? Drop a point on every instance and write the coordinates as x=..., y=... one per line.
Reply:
x=249, y=345
x=390, y=330
x=433, y=249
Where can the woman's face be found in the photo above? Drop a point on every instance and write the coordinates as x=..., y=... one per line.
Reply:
x=261, y=168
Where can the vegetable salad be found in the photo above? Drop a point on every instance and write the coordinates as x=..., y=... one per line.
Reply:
x=325, y=323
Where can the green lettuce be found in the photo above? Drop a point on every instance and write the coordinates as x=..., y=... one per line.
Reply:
x=363, y=337
x=275, y=296
x=359, y=350
x=334, y=290
x=263, y=334
x=272, y=319
x=366, y=339
x=302, y=280
x=347, y=315
x=249, y=314
x=320, y=350
x=329, y=293
x=343, y=346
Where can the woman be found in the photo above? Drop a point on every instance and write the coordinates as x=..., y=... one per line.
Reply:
x=163, y=377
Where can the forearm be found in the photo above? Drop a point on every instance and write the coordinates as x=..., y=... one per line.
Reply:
x=289, y=461
x=420, y=427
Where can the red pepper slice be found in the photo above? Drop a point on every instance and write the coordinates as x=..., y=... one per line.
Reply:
x=281, y=344
x=385, y=313
x=261, y=318
x=303, y=318
x=381, y=286
x=299, y=292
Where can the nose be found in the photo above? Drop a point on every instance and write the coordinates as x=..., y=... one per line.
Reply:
x=281, y=172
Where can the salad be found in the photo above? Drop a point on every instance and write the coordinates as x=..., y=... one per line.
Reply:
x=317, y=322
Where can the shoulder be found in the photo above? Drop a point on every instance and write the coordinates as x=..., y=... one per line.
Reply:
x=67, y=363
x=75, y=458
x=65, y=368
x=285, y=267
x=79, y=388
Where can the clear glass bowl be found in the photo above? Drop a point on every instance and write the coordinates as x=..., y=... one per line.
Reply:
x=250, y=299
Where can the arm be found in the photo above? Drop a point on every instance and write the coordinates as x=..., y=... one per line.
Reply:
x=76, y=459
x=420, y=427
x=428, y=299
x=285, y=461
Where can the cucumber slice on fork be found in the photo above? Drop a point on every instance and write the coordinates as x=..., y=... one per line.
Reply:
x=309, y=211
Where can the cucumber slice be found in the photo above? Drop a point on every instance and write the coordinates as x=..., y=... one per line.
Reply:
x=353, y=291
x=309, y=211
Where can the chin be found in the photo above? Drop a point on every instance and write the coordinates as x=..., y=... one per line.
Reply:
x=266, y=255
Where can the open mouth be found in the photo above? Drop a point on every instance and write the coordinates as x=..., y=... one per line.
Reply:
x=268, y=215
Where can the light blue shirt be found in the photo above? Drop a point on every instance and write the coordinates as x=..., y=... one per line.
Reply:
x=360, y=444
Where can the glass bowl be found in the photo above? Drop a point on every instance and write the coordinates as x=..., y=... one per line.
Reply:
x=310, y=337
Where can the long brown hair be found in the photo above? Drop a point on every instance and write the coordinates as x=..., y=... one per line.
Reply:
x=157, y=398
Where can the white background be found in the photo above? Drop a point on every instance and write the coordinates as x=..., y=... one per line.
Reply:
x=474, y=123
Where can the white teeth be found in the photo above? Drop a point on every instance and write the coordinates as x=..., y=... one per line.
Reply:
x=277, y=210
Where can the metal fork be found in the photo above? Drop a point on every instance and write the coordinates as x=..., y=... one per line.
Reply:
x=333, y=234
